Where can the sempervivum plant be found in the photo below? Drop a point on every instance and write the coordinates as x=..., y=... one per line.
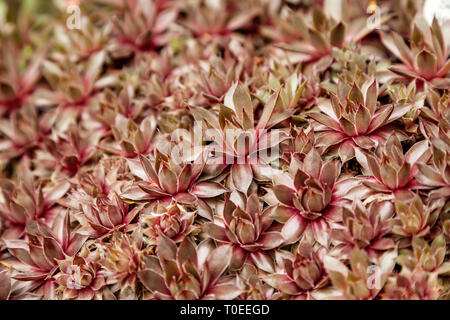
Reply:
x=246, y=226
x=164, y=177
x=301, y=274
x=353, y=117
x=173, y=220
x=365, y=228
x=141, y=26
x=427, y=58
x=81, y=276
x=220, y=149
x=189, y=272
x=310, y=197
x=392, y=171
x=16, y=82
x=29, y=201
x=320, y=33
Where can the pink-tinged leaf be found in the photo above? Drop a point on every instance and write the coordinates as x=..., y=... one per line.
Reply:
x=402, y=48
x=282, y=214
x=368, y=163
x=326, y=121
x=337, y=35
x=371, y=96
x=184, y=179
x=268, y=110
x=225, y=291
x=380, y=118
x=337, y=271
x=39, y=259
x=19, y=249
x=389, y=42
x=399, y=111
x=204, y=210
x=312, y=163
x=187, y=252
x=270, y=240
x=86, y=294
x=429, y=176
x=383, y=244
x=284, y=194
x=208, y=189
x=426, y=62
x=218, y=261
x=167, y=249
x=262, y=261
x=365, y=142
x=387, y=263
x=61, y=228
x=282, y=283
x=333, y=213
x=135, y=193
x=164, y=19
x=52, y=249
x=153, y=281
x=318, y=41
x=239, y=257
x=444, y=69
x=293, y=228
x=136, y=169
x=328, y=173
x=401, y=70
x=388, y=176
x=168, y=180
x=185, y=198
x=75, y=243
x=32, y=73
x=348, y=127
x=326, y=107
x=417, y=152
x=362, y=120
x=321, y=231
x=216, y=232
x=5, y=286
x=340, y=235
x=329, y=138
x=346, y=150
x=356, y=95
x=153, y=192
x=242, y=176
x=94, y=68
x=147, y=167
x=238, y=99
x=241, y=19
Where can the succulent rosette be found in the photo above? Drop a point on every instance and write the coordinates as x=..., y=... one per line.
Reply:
x=81, y=276
x=392, y=171
x=364, y=228
x=414, y=218
x=247, y=227
x=164, y=178
x=299, y=275
x=427, y=57
x=352, y=118
x=319, y=32
x=310, y=197
x=29, y=202
x=175, y=221
x=189, y=272
x=17, y=83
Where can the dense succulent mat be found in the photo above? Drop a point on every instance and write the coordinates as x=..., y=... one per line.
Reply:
x=223, y=150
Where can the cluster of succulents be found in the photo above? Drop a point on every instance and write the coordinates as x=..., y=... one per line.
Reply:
x=223, y=149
